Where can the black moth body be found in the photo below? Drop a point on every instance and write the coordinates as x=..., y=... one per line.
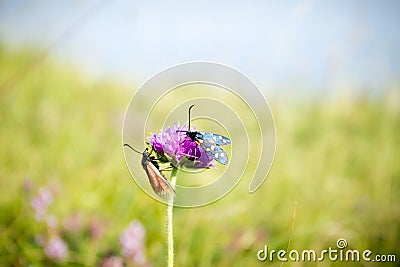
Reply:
x=158, y=182
x=209, y=142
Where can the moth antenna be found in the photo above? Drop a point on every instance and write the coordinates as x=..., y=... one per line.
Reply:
x=132, y=148
x=189, y=115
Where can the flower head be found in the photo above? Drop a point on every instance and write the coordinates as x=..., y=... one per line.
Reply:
x=41, y=202
x=180, y=148
x=56, y=249
x=132, y=241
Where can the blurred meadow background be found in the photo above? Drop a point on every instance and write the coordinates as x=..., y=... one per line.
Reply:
x=330, y=71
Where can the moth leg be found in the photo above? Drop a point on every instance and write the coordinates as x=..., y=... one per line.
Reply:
x=166, y=168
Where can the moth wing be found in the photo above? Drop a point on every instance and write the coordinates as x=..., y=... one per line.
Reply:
x=217, y=139
x=160, y=185
x=212, y=149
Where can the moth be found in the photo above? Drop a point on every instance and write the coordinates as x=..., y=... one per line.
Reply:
x=209, y=142
x=158, y=182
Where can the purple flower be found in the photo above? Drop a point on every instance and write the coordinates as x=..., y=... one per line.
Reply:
x=56, y=249
x=180, y=149
x=197, y=157
x=132, y=241
x=157, y=143
x=169, y=142
x=41, y=202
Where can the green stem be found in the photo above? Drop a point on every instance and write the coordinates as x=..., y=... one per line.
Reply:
x=169, y=222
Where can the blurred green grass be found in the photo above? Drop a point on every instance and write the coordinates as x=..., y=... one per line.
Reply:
x=337, y=159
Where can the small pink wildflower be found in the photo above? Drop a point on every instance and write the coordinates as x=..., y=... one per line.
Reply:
x=132, y=241
x=56, y=249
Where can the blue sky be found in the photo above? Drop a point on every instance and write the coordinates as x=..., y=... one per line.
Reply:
x=321, y=45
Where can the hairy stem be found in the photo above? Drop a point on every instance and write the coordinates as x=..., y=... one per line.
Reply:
x=169, y=223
